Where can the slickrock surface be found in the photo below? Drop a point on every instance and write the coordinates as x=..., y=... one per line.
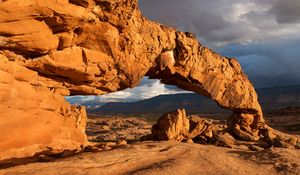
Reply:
x=169, y=158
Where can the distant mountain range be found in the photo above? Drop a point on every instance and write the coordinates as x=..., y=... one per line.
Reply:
x=270, y=99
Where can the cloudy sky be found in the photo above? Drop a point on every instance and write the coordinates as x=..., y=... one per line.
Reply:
x=264, y=35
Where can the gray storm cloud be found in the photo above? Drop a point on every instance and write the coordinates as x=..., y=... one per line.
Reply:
x=263, y=34
x=222, y=22
x=287, y=11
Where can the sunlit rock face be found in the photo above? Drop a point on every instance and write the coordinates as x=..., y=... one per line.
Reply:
x=50, y=49
x=34, y=118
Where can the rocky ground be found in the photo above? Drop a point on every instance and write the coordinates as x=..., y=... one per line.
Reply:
x=169, y=158
x=116, y=150
x=116, y=129
x=286, y=119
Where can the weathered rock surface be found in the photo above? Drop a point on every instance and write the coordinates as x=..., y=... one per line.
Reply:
x=34, y=118
x=171, y=126
x=150, y=158
x=96, y=47
x=176, y=126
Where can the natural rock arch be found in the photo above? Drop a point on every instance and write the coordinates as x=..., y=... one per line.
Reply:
x=50, y=49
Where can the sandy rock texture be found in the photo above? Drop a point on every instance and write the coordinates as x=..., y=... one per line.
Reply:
x=50, y=49
x=34, y=118
x=169, y=158
x=171, y=126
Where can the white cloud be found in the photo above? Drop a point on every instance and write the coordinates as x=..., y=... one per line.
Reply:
x=144, y=91
x=116, y=96
x=147, y=89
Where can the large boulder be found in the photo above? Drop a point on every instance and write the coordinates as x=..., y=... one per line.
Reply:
x=198, y=125
x=176, y=126
x=171, y=126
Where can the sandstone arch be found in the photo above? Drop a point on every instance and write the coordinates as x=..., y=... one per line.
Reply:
x=50, y=49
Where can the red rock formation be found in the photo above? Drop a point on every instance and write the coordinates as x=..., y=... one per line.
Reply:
x=51, y=49
x=172, y=126
x=34, y=118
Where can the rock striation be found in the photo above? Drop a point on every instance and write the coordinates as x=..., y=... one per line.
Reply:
x=51, y=49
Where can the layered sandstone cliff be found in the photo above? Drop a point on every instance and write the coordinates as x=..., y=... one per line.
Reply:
x=50, y=49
